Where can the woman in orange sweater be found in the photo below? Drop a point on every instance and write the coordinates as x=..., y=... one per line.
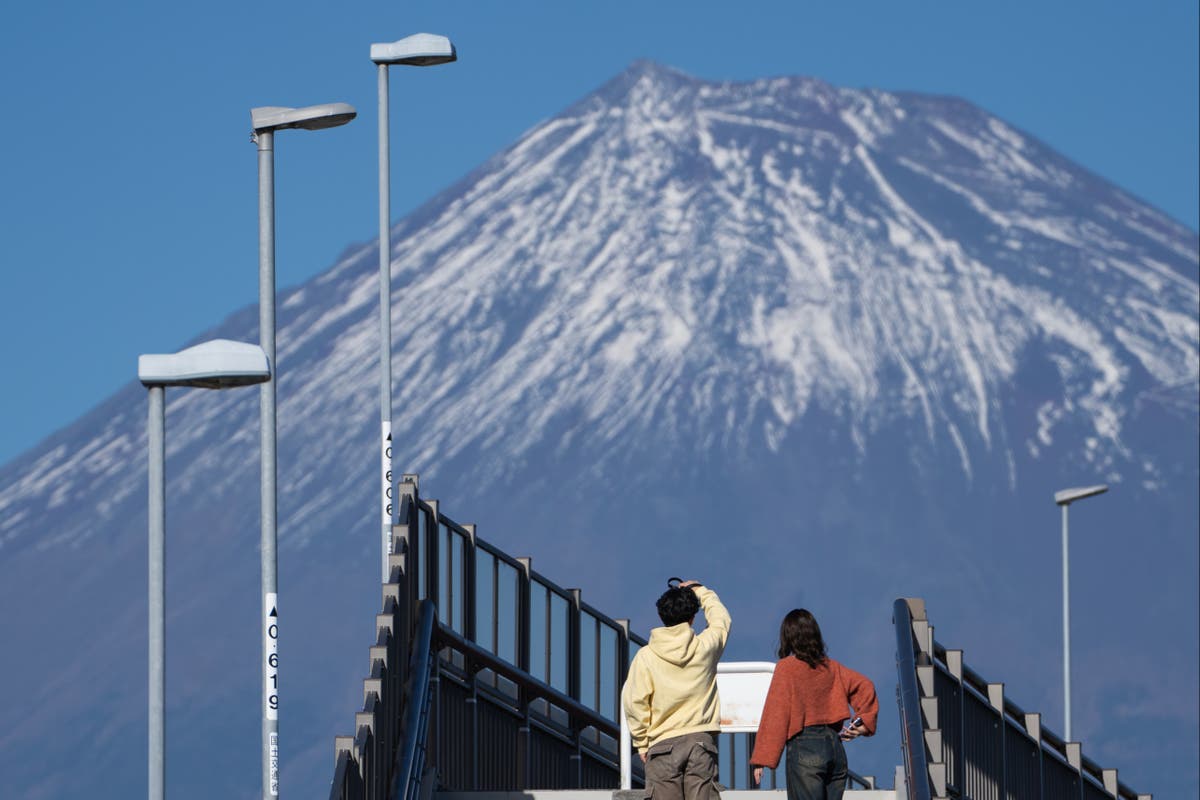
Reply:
x=810, y=698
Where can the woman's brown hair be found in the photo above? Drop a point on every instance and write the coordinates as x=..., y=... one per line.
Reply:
x=800, y=636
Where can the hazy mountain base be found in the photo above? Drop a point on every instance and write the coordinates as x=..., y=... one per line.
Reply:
x=768, y=529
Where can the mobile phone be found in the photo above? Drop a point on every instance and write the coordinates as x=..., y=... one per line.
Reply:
x=849, y=724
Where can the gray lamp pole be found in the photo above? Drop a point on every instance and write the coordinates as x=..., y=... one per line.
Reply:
x=219, y=364
x=1064, y=499
x=266, y=120
x=418, y=50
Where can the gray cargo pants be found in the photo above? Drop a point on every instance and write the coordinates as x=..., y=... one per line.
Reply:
x=683, y=768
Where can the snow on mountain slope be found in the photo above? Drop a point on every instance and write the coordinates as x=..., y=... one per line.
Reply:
x=784, y=236
x=670, y=274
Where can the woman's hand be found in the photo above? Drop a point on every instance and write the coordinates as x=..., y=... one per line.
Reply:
x=853, y=732
x=757, y=775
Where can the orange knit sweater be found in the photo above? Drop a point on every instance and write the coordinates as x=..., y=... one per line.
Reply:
x=801, y=696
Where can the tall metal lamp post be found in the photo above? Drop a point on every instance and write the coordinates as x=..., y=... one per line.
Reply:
x=418, y=50
x=219, y=364
x=266, y=120
x=1064, y=499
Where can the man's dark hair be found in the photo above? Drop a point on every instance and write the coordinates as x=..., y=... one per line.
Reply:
x=800, y=636
x=677, y=605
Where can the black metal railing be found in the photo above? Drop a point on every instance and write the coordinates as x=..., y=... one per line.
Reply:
x=525, y=678
x=962, y=738
x=527, y=694
x=490, y=675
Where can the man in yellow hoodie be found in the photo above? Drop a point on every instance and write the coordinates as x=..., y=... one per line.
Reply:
x=670, y=697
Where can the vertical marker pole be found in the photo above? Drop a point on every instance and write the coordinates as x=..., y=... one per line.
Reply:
x=156, y=757
x=266, y=331
x=385, y=321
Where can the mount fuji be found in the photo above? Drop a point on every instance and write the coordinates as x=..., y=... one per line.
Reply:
x=812, y=345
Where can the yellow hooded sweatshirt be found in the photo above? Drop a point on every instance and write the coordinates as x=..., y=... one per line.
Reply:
x=672, y=685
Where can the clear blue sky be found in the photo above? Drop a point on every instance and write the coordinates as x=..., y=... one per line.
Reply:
x=128, y=180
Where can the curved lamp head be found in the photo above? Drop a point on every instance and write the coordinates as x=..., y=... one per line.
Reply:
x=310, y=118
x=1068, y=496
x=418, y=50
x=218, y=364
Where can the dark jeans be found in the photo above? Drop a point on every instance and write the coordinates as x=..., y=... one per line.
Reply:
x=683, y=768
x=816, y=764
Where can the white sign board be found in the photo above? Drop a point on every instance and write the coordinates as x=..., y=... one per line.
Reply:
x=743, y=686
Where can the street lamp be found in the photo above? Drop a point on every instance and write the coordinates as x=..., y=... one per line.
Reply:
x=266, y=120
x=418, y=50
x=219, y=364
x=1064, y=499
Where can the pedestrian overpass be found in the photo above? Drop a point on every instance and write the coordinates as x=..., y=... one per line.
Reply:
x=489, y=681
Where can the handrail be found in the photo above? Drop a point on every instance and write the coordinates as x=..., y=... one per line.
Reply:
x=410, y=756
x=1056, y=743
x=912, y=733
x=535, y=688
x=498, y=554
x=853, y=778
x=467, y=582
x=1047, y=737
x=931, y=675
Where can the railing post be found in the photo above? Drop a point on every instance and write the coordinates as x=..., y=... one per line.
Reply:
x=574, y=660
x=995, y=692
x=345, y=788
x=574, y=644
x=954, y=730
x=402, y=563
x=410, y=485
x=365, y=721
x=469, y=584
x=524, y=612
x=469, y=580
x=433, y=578
x=597, y=665
x=1074, y=754
x=433, y=549
x=1111, y=785
x=524, y=617
x=1033, y=727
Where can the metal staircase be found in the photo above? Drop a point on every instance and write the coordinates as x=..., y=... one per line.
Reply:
x=488, y=677
x=489, y=681
x=962, y=738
